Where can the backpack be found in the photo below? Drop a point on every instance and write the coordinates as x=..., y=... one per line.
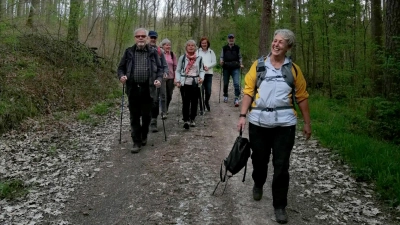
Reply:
x=286, y=74
x=236, y=160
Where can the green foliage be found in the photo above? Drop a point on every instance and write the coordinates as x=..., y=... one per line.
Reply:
x=385, y=115
x=100, y=109
x=83, y=115
x=343, y=126
x=12, y=189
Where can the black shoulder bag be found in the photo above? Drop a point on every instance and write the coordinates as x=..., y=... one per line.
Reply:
x=236, y=160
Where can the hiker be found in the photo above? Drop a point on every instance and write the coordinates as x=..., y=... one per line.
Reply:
x=168, y=88
x=231, y=62
x=155, y=111
x=209, y=61
x=140, y=68
x=273, y=119
x=189, y=74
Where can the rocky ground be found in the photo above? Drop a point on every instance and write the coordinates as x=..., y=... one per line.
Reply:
x=79, y=174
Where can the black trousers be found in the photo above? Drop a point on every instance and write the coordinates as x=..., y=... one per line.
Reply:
x=206, y=90
x=140, y=108
x=190, y=99
x=279, y=141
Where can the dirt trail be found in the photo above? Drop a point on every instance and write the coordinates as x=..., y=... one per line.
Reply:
x=171, y=182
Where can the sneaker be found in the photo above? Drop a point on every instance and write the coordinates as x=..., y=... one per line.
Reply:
x=192, y=123
x=163, y=116
x=153, y=127
x=136, y=148
x=281, y=216
x=236, y=102
x=201, y=113
x=225, y=99
x=186, y=125
x=257, y=193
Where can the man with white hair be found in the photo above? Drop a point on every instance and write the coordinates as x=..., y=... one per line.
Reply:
x=140, y=69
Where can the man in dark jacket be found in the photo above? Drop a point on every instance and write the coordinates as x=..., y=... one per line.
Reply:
x=231, y=62
x=140, y=69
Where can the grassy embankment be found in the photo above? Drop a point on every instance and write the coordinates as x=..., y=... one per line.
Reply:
x=343, y=126
x=44, y=77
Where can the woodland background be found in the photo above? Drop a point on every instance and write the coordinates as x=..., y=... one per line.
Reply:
x=59, y=56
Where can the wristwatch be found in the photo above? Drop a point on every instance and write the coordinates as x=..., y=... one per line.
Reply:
x=242, y=115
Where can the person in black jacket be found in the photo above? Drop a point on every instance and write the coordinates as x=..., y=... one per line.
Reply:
x=140, y=69
x=231, y=62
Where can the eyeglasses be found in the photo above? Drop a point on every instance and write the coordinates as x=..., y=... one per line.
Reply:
x=231, y=37
x=153, y=37
x=140, y=36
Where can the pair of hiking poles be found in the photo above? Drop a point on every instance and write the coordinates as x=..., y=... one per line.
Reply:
x=122, y=112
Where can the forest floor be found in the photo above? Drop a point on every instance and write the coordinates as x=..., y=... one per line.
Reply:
x=80, y=174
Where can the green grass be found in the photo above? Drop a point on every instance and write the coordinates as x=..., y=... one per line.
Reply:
x=343, y=127
x=12, y=189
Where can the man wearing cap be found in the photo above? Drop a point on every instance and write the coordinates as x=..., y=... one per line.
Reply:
x=231, y=62
x=156, y=103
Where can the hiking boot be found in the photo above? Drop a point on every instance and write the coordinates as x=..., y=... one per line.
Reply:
x=144, y=141
x=163, y=116
x=192, y=123
x=257, y=193
x=201, y=113
x=136, y=148
x=186, y=125
x=281, y=216
x=207, y=106
x=225, y=99
x=236, y=102
x=153, y=125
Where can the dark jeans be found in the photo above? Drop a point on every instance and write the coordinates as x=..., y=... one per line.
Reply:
x=235, y=73
x=206, y=90
x=140, y=107
x=166, y=89
x=190, y=96
x=280, y=140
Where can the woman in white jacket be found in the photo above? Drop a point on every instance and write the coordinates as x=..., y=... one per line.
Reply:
x=188, y=75
x=209, y=61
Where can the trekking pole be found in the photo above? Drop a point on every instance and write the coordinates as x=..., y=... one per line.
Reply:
x=220, y=83
x=164, y=110
x=122, y=111
x=202, y=101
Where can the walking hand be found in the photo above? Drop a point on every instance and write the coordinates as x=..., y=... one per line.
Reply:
x=189, y=74
x=272, y=117
x=140, y=69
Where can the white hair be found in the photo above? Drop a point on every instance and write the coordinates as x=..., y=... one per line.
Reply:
x=165, y=41
x=287, y=34
x=141, y=29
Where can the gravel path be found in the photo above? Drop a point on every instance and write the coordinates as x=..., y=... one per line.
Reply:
x=80, y=174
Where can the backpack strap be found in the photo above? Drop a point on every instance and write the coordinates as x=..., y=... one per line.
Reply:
x=286, y=73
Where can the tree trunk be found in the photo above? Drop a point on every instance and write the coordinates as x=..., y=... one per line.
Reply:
x=73, y=25
x=32, y=17
x=2, y=8
x=265, y=28
x=293, y=20
x=392, y=45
